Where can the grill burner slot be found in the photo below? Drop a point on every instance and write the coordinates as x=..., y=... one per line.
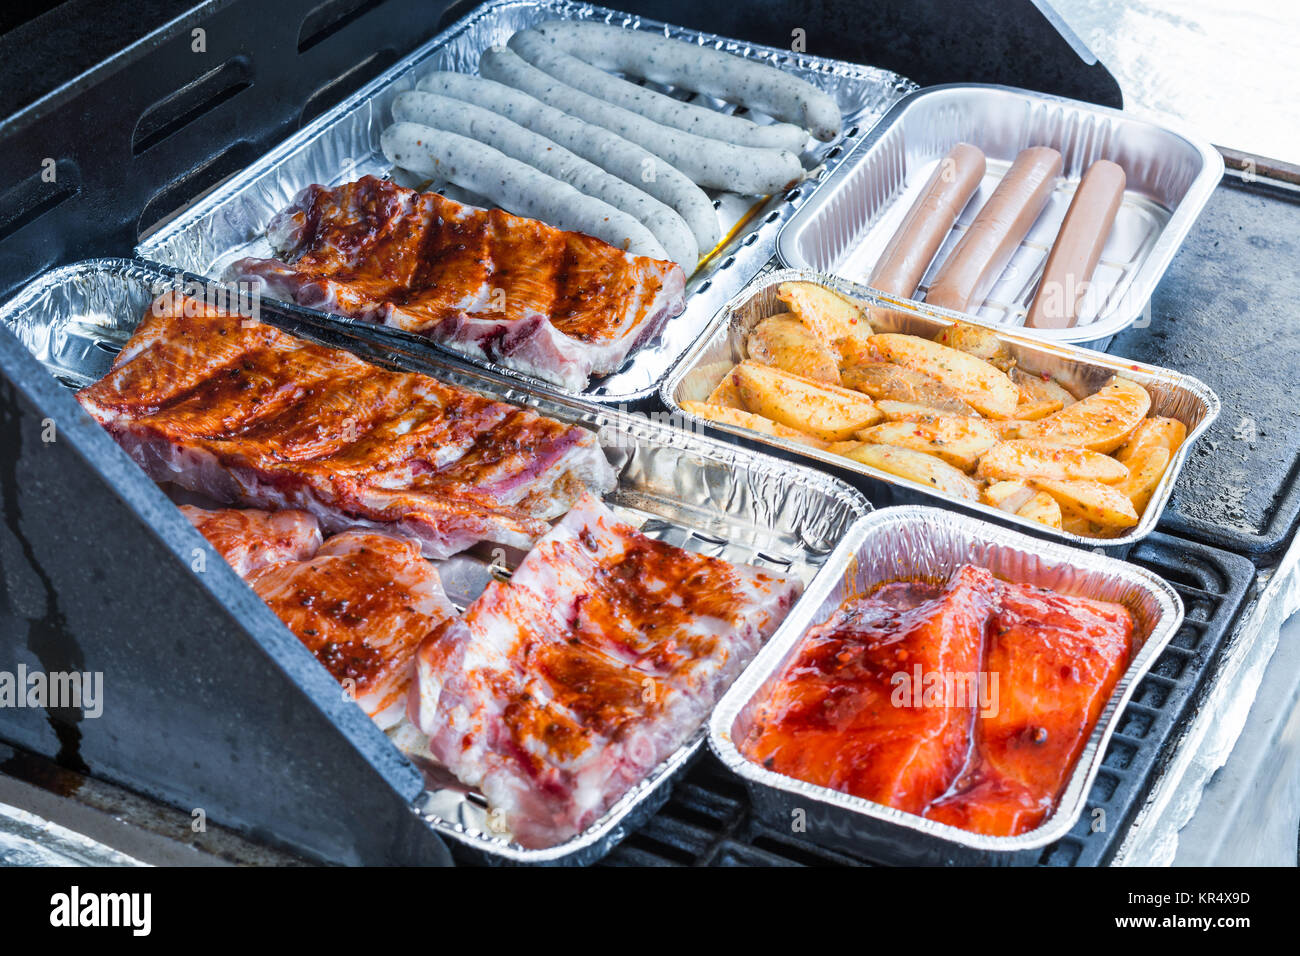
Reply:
x=177, y=110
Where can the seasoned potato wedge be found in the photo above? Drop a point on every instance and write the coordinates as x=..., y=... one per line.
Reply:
x=1008, y=429
x=977, y=341
x=919, y=467
x=1007, y=495
x=838, y=321
x=1098, y=504
x=983, y=387
x=884, y=380
x=726, y=393
x=1168, y=433
x=958, y=441
x=744, y=419
x=895, y=411
x=787, y=343
x=1100, y=422
x=826, y=411
x=1146, y=467
x=1035, y=409
x=1088, y=529
x=1042, y=508
x=1040, y=388
x=1021, y=458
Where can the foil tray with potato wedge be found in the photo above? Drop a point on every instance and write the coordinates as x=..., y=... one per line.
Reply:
x=1057, y=439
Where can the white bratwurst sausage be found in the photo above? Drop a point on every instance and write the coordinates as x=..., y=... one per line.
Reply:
x=687, y=117
x=755, y=85
x=624, y=159
x=514, y=186
x=740, y=169
x=465, y=119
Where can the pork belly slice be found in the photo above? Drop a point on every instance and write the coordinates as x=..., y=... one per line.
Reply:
x=851, y=711
x=558, y=691
x=250, y=539
x=1057, y=659
x=561, y=306
x=362, y=605
x=246, y=414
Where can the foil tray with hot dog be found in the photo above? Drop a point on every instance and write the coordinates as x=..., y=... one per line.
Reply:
x=1011, y=207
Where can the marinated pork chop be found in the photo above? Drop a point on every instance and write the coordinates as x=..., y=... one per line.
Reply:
x=250, y=540
x=558, y=691
x=362, y=605
x=246, y=414
x=561, y=306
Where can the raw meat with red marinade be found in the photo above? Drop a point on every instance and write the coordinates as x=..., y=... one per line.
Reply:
x=852, y=711
x=561, y=306
x=250, y=539
x=558, y=691
x=246, y=414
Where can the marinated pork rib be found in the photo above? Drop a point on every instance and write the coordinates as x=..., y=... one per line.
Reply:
x=250, y=540
x=361, y=602
x=362, y=605
x=558, y=305
x=841, y=717
x=1057, y=658
x=557, y=692
x=246, y=414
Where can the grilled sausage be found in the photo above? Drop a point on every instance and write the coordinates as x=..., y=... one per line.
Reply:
x=971, y=270
x=465, y=119
x=708, y=162
x=688, y=117
x=1078, y=246
x=755, y=85
x=626, y=160
x=514, y=186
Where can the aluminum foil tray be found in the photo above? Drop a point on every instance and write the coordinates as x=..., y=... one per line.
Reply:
x=916, y=542
x=690, y=490
x=343, y=144
x=1079, y=370
x=845, y=226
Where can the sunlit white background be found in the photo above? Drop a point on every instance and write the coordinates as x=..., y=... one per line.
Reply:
x=1230, y=69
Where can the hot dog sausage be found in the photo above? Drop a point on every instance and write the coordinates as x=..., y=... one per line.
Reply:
x=928, y=222
x=1078, y=246
x=971, y=270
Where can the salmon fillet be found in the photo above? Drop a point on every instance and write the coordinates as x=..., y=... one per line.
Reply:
x=1057, y=659
x=851, y=711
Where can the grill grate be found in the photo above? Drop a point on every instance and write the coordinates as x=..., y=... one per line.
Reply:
x=708, y=820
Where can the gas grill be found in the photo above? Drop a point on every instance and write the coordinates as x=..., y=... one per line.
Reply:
x=160, y=102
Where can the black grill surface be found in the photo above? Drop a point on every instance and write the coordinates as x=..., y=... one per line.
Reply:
x=1225, y=312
